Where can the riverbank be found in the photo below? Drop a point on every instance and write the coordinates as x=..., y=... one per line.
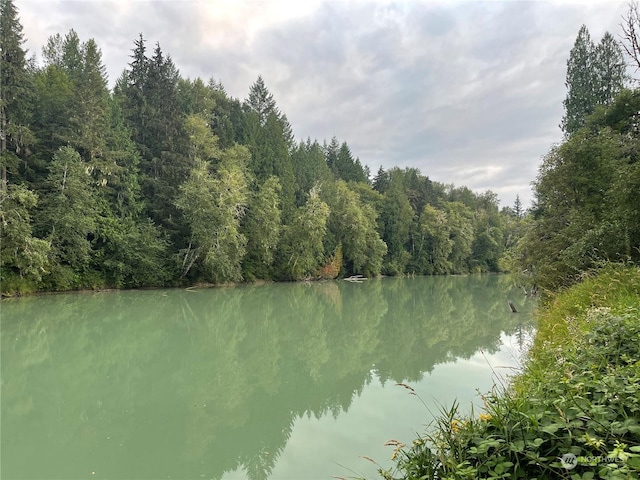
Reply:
x=573, y=411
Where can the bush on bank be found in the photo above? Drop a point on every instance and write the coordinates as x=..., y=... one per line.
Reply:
x=573, y=412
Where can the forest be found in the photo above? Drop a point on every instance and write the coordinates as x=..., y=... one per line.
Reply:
x=168, y=181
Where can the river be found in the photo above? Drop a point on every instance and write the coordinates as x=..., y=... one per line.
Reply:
x=279, y=381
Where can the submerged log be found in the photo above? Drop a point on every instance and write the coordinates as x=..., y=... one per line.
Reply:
x=513, y=307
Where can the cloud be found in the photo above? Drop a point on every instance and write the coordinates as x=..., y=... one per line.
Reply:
x=468, y=92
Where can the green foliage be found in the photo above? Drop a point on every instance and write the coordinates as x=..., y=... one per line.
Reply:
x=21, y=254
x=460, y=223
x=342, y=164
x=213, y=205
x=395, y=222
x=435, y=244
x=15, y=92
x=301, y=250
x=578, y=394
x=352, y=224
x=53, y=92
x=261, y=102
x=261, y=227
x=595, y=76
x=609, y=68
x=587, y=200
x=131, y=253
x=68, y=216
x=163, y=168
x=310, y=168
x=580, y=100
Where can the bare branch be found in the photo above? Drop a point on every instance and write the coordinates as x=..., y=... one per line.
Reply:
x=631, y=30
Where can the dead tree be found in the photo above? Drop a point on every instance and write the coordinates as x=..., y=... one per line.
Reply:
x=631, y=33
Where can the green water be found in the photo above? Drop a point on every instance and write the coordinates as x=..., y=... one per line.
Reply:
x=291, y=381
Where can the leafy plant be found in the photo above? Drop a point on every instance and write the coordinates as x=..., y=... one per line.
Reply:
x=578, y=396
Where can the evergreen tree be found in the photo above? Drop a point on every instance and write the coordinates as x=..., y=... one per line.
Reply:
x=130, y=250
x=228, y=119
x=609, y=69
x=595, y=75
x=261, y=102
x=343, y=165
x=15, y=136
x=580, y=82
x=165, y=122
x=132, y=88
x=151, y=103
x=517, y=207
x=276, y=160
x=310, y=168
x=68, y=218
x=52, y=51
x=270, y=148
x=331, y=155
x=89, y=115
x=53, y=98
x=72, y=61
x=287, y=131
x=381, y=180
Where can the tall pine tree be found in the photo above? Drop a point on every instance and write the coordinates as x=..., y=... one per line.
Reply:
x=580, y=82
x=15, y=136
x=609, y=70
x=595, y=75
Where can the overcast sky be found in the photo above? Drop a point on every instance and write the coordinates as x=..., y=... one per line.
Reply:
x=468, y=92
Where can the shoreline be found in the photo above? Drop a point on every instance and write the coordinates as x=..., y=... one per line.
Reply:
x=564, y=406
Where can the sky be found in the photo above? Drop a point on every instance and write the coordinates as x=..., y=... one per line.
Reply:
x=468, y=92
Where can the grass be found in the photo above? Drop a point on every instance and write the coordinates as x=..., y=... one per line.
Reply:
x=574, y=410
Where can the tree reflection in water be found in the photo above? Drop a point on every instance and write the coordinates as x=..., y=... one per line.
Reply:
x=181, y=384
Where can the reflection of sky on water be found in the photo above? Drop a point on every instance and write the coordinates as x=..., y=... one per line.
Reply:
x=326, y=447
x=279, y=381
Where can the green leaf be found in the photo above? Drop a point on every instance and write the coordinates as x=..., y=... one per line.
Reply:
x=551, y=428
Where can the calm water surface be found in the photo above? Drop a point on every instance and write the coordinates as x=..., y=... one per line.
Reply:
x=284, y=381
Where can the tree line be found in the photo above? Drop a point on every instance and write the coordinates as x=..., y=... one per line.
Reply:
x=586, y=210
x=165, y=180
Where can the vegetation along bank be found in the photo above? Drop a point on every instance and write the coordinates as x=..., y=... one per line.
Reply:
x=169, y=181
x=574, y=410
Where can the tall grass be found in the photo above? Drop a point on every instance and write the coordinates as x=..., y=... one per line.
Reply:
x=573, y=412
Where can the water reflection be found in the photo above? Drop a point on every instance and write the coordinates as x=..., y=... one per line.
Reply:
x=193, y=384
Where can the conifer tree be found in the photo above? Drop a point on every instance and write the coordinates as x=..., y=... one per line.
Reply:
x=609, y=67
x=595, y=75
x=68, y=217
x=580, y=82
x=381, y=180
x=517, y=207
x=261, y=102
x=15, y=136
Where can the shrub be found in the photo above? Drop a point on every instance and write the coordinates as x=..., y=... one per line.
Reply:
x=573, y=412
